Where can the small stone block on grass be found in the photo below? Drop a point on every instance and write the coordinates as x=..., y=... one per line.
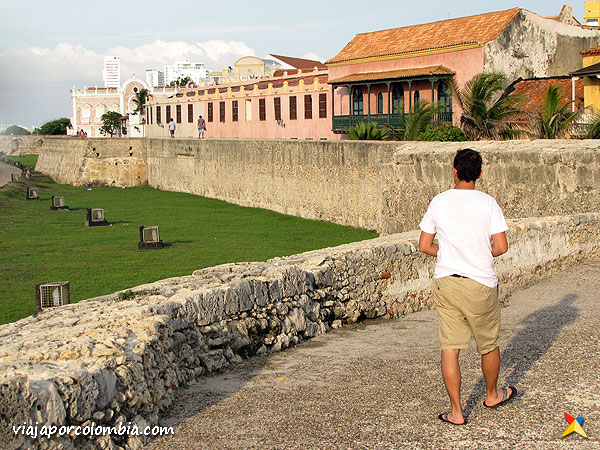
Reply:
x=32, y=194
x=58, y=203
x=95, y=217
x=149, y=238
x=50, y=295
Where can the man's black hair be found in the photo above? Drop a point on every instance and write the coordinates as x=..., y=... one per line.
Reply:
x=467, y=163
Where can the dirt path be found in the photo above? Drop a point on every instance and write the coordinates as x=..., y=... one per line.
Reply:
x=378, y=386
x=5, y=171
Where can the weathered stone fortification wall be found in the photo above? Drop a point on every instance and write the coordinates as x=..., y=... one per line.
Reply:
x=111, y=362
x=70, y=160
x=384, y=186
x=27, y=145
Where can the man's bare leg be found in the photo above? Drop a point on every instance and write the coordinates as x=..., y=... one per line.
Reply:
x=490, y=366
x=452, y=380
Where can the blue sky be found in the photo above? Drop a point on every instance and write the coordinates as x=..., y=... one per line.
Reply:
x=46, y=48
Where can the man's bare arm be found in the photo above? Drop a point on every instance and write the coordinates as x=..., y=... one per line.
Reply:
x=499, y=244
x=426, y=244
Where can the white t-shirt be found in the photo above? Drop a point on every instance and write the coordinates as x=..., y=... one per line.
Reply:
x=464, y=221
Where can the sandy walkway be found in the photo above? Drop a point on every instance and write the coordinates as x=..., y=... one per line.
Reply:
x=377, y=386
x=5, y=171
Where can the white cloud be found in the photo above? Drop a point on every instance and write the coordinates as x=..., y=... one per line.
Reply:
x=35, y=81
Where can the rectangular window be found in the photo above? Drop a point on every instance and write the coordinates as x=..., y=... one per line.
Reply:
x=209, y=113
x=221, y=111
x=308, y=106
x=234, y=110
x=178, y=113
x=191, y=113
x=293, y=113
x=322, y=106
x=277, y=105
x=158, y=116
x=150, y=115
x=262, y=112
x=248, y=110
x=168, y=112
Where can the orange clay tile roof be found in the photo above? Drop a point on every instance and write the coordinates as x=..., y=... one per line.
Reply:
x=590, y=51
x=395, y=74
x=535, y=89
x=445, y=33
x=300, y=63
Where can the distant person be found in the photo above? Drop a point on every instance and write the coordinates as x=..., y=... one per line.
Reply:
x=172, y=127
x=201, y=127
x=471, y=230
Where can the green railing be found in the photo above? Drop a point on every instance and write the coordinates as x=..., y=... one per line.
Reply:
x=343, y=122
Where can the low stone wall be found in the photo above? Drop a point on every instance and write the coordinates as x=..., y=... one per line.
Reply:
x=89, y=162
x=26, y=145
x=111, y=361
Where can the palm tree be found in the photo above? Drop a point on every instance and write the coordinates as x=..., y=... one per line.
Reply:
x=487, y=114
x=554, y=120
x=141, y=97
x=413, y=123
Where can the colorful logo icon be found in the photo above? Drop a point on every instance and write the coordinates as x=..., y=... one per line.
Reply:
x=574, y=426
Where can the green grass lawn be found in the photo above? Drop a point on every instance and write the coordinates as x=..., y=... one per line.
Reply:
x=38, y=244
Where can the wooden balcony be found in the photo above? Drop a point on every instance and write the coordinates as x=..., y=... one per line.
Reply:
x=341, y=123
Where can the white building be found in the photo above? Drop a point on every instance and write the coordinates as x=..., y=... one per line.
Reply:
x=112, y=71
x=89, y=104
x=185, y=68
x=155, y=78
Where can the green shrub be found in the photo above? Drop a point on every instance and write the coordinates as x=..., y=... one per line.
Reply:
x=445, y=132
x=367, y=131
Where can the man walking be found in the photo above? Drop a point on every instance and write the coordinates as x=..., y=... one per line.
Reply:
x=201, y=127
x=470, y=228
x=172, y=127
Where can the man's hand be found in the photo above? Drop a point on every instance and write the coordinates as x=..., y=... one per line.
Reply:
x=499, y=244
x=426, y=244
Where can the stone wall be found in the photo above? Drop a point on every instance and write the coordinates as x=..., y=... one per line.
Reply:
x=99, y=161
x=384, y=186
x=26, y=145
x=111, y=361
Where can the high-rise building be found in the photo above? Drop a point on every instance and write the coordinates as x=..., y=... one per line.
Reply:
x=185, y=68
x=112, y=71
x=155, y=77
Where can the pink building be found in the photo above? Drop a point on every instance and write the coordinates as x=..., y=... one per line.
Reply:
x=376, y=72
x=292, y=104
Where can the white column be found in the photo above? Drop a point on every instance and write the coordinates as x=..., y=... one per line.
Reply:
x=573, y=79
x=74, y=124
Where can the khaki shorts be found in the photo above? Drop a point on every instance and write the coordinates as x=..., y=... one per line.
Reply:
x=466, y=307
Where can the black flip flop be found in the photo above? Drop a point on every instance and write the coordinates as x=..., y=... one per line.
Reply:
x=505, y=399
x=444, y=418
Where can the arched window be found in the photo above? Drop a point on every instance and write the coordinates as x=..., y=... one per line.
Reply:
x=380, y=103
x=357, y=102
x=443, y=97
x=417, y=97
x=397, y=98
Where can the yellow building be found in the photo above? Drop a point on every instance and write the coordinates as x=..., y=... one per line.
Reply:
x=592, y=14
x=591, y=76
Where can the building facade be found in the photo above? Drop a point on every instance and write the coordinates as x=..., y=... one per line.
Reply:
x=155, y=78
x=89, y=104
x=378, y=71
x=111, y=73
x=185, y=68
x=290, y=106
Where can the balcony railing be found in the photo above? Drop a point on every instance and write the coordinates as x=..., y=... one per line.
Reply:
x=341, y=123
